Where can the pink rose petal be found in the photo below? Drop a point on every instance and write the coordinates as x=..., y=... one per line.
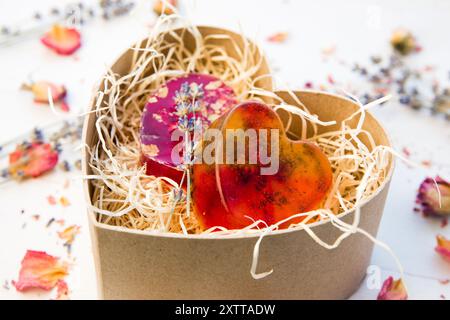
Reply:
x=62, y=40
x=62, y=292
x=434, y=197
x=279, y=37
x=393, y=290
x=40, y=270
x=443, y=247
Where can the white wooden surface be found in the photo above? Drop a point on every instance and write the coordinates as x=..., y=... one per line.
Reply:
x=357, y=28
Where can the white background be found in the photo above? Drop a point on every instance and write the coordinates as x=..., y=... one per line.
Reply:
x=357, y=28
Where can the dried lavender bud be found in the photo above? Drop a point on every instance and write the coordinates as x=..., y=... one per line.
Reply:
x=37, y=16
x=54, y=11
x=414, y=91
x=5, y=173
x=38, y=135
x=385, y=71
x=405, y=100
x=65, y=166
x=58, y=147
x=5, y=30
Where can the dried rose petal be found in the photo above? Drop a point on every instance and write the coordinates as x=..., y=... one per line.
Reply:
x=393, y=290
x=430, y=192
x=51, y=200
x=279, y=37
x=62, y=292
x=62, y=40
x=32, y=160
x=159, y=5
x=40, y=270
x=40, y=91
x=68, y=234
x=443, y=247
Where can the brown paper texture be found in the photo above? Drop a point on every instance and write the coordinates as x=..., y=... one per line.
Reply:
x=141, y=265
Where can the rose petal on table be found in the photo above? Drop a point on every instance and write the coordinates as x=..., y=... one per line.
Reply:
x=279, y=37
x=40, y=270
x=443, y=247
x=68, y=234
x=30, y=160
x=64, y=201
x=62, y=40
x=40, y=91
x=393, y=290
x=434, y=197
x=51, y=200
x=403, y=42
x=64, y=106
x=62, y=292
x=160, y=8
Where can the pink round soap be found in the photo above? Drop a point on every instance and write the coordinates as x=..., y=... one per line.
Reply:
x=170, y=109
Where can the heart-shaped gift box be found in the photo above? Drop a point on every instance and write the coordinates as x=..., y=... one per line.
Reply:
x=133, y=264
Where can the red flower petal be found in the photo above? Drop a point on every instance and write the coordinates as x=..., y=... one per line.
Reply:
x=62, y=291
x=159, y=5
x=443, y=247
x=62, y=40
x=32, y=160
x=40, y=270
x=393, y=290
x=434, y=197
x=40, y=91
x=51, y=200
x=279, y=37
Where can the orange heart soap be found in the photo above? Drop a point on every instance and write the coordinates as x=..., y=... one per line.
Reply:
x=227, y=194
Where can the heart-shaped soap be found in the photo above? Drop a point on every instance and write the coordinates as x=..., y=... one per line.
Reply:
x=227, y=194
x=170, y=109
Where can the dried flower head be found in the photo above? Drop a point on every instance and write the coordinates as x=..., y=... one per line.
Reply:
x=403, y=41
x=434, y=197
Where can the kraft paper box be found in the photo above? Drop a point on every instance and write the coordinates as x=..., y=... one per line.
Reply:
x=134, y=264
